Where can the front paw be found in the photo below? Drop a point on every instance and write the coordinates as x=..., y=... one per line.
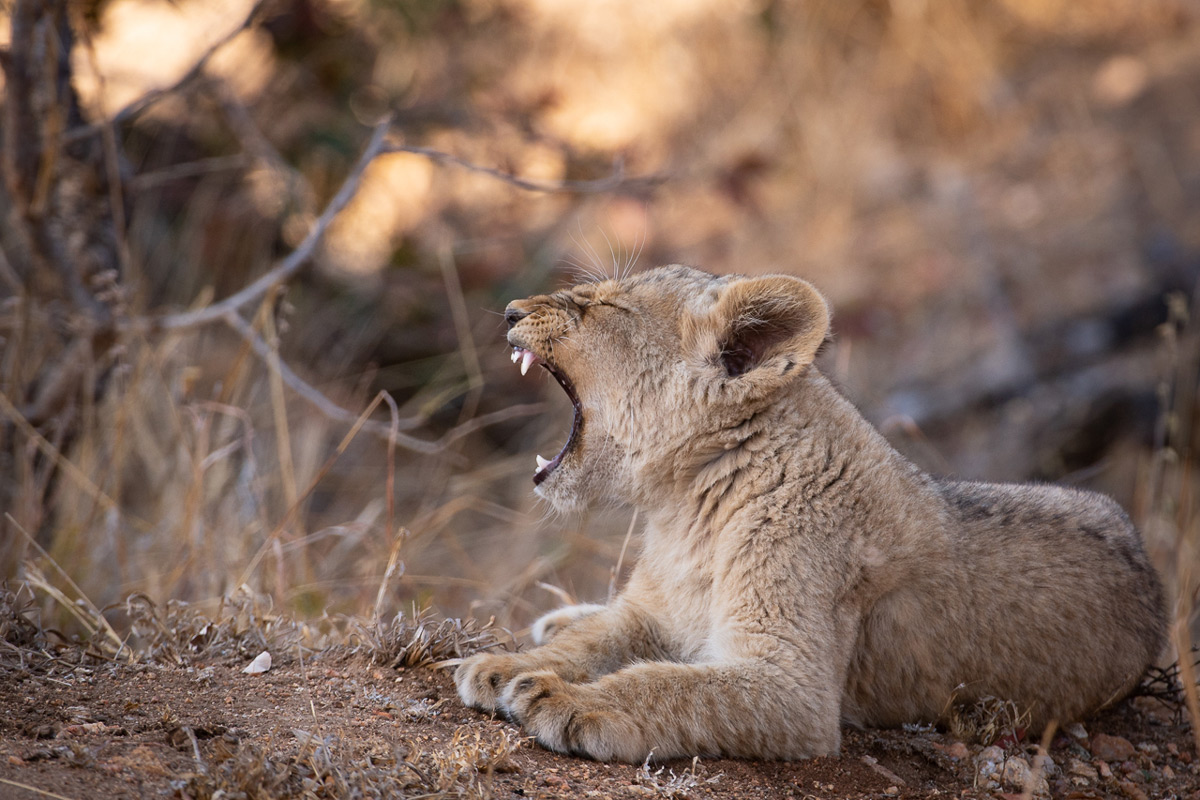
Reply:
x=548, y=625
x=567, y=718
x=481, y=678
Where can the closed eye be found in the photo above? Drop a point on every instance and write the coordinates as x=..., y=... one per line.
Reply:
x=584, y=304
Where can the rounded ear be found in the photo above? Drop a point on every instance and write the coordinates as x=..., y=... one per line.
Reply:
x=768, y=329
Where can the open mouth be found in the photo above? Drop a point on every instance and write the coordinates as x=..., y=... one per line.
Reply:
x=544, y=466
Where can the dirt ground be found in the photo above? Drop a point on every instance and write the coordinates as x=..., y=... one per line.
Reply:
x=334, y=725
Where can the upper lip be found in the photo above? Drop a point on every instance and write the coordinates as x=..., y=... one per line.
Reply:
x=527, y=357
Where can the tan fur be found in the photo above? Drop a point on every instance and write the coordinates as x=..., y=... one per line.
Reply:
x=796, y=573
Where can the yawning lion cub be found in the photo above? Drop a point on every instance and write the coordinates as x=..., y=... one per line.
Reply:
x=796, y=573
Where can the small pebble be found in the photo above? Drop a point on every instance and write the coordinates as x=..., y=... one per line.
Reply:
x=1018, y=775
x=958, y=750
x=1081, y=772
x=1046, y=764
x=993, y=754
x=1132, y=791
x=1077, y=731
x=1111, y=748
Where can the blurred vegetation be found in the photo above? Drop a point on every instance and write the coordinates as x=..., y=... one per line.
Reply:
x=999, y=199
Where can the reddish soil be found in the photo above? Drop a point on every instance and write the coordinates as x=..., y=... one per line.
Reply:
x=92, y=729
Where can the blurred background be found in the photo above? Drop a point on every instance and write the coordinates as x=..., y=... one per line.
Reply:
x=999, y=198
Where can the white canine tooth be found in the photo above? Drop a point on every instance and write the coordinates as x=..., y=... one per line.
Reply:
x=542, y=463
x=526, y=360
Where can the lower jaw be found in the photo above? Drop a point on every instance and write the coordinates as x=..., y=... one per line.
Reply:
x=540, y=478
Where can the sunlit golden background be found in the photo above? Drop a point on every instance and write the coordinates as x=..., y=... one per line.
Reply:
x=999, y=198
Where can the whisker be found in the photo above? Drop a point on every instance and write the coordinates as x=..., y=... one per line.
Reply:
x=632, y=263
x=612, y=254
x=582, y=272
x=595, y=257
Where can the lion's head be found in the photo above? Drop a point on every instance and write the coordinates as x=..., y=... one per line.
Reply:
x=662, y=368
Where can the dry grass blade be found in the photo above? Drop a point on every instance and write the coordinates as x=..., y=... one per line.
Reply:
x=616, y=570
x=16, y=628
x=295, y=507
x=283, y=436
x=1039, y=765
x=93, y=620
x=389, y=433
x=394, y=567
x=1183, y=644
x=62, y=462
x=34, y=789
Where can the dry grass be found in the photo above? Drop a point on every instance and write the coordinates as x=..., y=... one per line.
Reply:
x=420, y=639
x=664, y=782
x=309, y=763
x=19, y=632
x=987, y=720
x=335, y=767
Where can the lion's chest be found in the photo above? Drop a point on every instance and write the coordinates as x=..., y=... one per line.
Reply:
x=678, y=581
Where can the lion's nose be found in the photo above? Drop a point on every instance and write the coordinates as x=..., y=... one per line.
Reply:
x=513, y=314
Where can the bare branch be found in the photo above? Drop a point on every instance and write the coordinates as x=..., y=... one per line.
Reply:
x=287, y=267
x=154, y=95
x=188, y=169
x=255, y=142
x=613, y=182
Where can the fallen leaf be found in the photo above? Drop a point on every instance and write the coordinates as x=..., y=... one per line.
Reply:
x=260, y=664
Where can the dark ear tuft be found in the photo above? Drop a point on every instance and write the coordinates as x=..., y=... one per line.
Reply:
x=736, y=360
x=774, y=321
x=752, y=339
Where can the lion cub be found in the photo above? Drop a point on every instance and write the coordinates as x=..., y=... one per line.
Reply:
x=796, y=573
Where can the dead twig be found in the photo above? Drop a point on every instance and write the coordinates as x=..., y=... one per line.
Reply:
x=377, y=145
x=154, y=95
x=389, y=432
x=53, y=453
x=614, y=181
x=33, y=789
x=319, y=400
x=189, y=169
x=101, y=623
x=287, y=267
